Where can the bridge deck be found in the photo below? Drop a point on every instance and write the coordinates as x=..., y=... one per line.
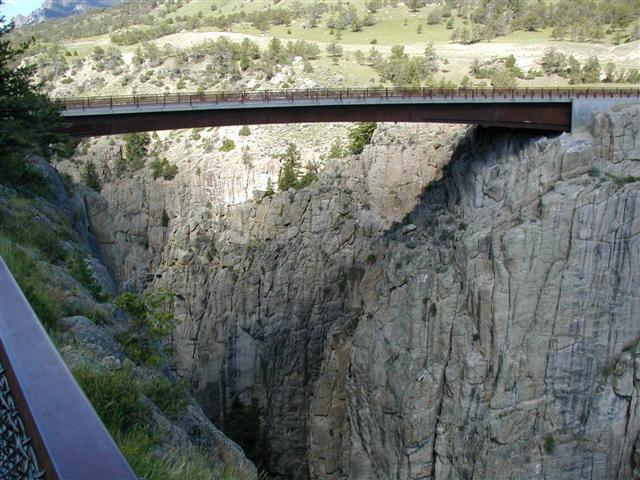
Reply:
x=540, y=108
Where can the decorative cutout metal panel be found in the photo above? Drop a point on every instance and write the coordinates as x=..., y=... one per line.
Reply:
x=17, y=457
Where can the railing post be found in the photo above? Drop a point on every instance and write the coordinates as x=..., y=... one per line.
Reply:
x=386, y=93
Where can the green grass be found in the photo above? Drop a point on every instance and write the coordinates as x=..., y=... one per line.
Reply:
x=25, y=224
x=621, y=181
x=151, y=463
x=32, y=282
x=169, y=397
x=116, y=397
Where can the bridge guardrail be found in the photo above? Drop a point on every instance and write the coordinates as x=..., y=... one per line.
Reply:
x=48, y=429
x=267, y=96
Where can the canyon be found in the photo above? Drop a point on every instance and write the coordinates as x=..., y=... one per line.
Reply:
x=452, y=303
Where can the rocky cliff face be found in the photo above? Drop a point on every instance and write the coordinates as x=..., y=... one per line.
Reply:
x=450, y=304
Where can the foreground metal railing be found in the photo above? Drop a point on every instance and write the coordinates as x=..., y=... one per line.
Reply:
x=362, y=94
x=48, y=429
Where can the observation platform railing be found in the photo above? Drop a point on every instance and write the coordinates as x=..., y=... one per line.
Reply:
x=48, y=428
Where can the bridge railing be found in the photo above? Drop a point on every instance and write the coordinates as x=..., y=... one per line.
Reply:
x=292, y=95
x=48, y=429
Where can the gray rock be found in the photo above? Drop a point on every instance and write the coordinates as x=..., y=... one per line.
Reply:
x=482, y=352
x=92, y=336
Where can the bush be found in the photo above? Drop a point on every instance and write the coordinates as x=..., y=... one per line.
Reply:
x=227, y=145
x=165, y=218
x=549, y=444
x=360, y=136
x=151, y=321
x=136, y=146
x=163, y=168
x=244, y=131
x=90, y=176
x=116, y=397
x=336, y=150
x=79, y=270
x=139, y=347
x=31, y=282
x=621, y=181
x=24, y=225
x=170, y=398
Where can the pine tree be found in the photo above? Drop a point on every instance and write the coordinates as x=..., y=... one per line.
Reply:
x=290, y=169
x=28, y=119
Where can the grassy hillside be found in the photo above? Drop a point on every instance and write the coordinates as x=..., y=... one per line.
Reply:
x=344, y=34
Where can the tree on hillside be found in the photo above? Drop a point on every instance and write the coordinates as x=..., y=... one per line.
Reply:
x=136, y=145
x=28, y=119
x=414, y=5
x=373, y=5
x=334, y=51
x=361, y=135
x=290, y=170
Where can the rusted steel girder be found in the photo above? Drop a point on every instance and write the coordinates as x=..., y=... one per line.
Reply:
x=554, y=116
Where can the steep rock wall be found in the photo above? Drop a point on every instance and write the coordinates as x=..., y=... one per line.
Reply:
x=497, y=339
x=491, y=334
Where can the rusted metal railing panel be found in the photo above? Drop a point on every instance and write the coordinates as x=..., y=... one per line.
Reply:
x=69, y=440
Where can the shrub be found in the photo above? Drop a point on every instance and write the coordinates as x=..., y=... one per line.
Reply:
x=79, y=270
x=621, y=181
x=269, y=192
x=139, y=347
x=549, y=444
x=136, y=146
x=170, y=398
x=31, y=282
x=360, y=136
x=25, y=226
x=245, y=131
x=90, y=176
x=151, y=321
x=165, y=218
x=227, y=145
x=116, y=397
x=163, y=168
x=336, y=150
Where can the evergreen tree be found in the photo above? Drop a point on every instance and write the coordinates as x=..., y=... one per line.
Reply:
x=360, y=136
x=290, y=170
x=28, y=119
x=136, y=145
